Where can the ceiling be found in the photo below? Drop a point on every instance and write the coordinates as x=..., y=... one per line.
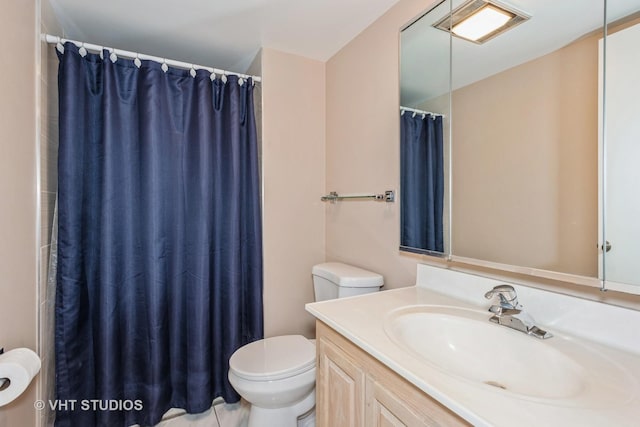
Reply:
x=225, y=34
x=553, y=24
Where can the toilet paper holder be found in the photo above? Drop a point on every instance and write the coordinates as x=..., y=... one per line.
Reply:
x=2, y=380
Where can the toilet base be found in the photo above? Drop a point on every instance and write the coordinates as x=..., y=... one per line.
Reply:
x=281, y=417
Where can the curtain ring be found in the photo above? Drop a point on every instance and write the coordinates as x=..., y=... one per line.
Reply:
x=113, y=57
x=137, y=61
x=192, y=71
x=164, y=67
x=82, y=51
x=224, y=77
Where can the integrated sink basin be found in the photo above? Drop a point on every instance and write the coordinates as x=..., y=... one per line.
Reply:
x=464, y=344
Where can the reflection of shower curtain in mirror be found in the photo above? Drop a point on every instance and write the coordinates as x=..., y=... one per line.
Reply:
x=421, y=182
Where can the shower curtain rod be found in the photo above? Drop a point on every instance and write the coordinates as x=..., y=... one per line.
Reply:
x=143, y=57
x=413, y=110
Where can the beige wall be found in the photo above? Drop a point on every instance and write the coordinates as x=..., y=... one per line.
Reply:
x=18, y=245
x=525, y=158
x=293, y=167
x=363, y=133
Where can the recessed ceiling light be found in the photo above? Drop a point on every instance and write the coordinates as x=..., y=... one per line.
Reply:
x=481, y=20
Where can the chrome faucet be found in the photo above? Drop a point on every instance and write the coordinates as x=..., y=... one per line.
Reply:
x=510, y=314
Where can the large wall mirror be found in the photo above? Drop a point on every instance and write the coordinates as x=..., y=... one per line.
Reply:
x=540, y=130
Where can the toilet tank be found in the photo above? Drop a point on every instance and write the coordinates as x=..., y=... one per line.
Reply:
x=336, y=280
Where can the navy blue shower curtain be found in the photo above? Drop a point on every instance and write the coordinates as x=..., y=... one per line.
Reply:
x=421, y=182
x=159, y=242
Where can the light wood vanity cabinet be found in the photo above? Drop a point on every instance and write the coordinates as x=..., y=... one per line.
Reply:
x=355, y=390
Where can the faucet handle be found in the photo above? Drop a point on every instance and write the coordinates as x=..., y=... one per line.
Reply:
x=507, y=295
x=496, y=309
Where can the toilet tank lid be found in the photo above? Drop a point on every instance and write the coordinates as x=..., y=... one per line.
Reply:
x=347, y=275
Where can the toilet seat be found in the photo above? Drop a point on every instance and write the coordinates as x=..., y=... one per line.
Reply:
x=274, y=358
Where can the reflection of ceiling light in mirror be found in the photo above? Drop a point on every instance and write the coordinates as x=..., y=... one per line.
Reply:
x=481, y=20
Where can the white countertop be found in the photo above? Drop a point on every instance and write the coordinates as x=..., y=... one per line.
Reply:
x=362, y=319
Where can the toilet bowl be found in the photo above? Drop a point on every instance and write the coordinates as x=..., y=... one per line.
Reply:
x=277, y=375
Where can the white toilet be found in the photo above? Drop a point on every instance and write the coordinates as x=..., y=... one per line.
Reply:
x=277, y=375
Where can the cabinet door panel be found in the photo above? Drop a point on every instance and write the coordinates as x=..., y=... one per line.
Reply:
x=384, y=418
x=385, y=409
x=340, y=384
x=387, y=393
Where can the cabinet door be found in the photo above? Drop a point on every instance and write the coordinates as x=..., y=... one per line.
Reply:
x=386, y=409
x=392, y=402
x=340, y=388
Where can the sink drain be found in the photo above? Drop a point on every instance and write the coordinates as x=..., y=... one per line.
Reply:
x=495, y=384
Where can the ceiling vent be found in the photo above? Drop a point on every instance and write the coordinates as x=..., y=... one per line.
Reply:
x=479, y=21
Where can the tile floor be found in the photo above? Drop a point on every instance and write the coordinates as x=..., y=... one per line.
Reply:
x=220, y=415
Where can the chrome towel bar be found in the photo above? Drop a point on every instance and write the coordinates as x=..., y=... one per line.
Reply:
x=388, y=196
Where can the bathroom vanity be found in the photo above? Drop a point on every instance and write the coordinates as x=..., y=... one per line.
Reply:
x=428, y=355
